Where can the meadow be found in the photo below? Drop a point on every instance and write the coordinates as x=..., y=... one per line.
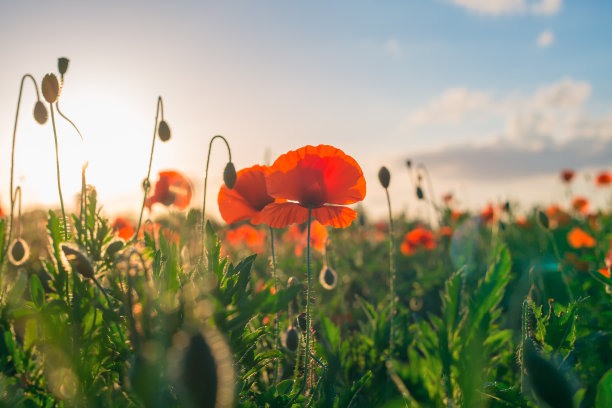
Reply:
x=294, y=299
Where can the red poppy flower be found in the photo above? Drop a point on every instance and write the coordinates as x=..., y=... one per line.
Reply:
x=567, y=175
x=1, y=213
x=605, y=272
x=318, y=238
x=488, y=213
x=124, y=228
x=577, y=238
x=172, y=188
x=446, y=231
x=580, y=204
x=248, y=197
x=249, y=235
x=417, y=238
x=322, y=178
x=603, y=179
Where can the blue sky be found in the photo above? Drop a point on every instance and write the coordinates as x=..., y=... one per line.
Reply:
x=495, y=96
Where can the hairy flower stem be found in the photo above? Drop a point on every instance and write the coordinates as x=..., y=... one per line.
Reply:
x=229, y=152
x=13, y=154
x=147, y=183
x=392, y=272
x=277, y=324
x=308, y=289
x=59, y=186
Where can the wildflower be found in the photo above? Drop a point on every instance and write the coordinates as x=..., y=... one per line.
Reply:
x=577, y=238
x=249, y=235
x=557, y=216
x=247, y=198
x=322, y=179
x=124, y=228
x=488, y=214
x=580, y=204
x=446, y=231
x=605, y=272
x=603, y=179
x=1, y=213
x=418, y=237
x=523, y=222
x=318, y=238
x=172, y=188
x=567, y=175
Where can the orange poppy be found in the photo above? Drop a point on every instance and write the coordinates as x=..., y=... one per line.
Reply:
x=124, y=228
x=608, y=257
x=323, y=179
x=488, y=213
x=172, y=188
x=318, y=238
x=603, y=179
x=605, y=272
x=580, y=204
x=567, y=175
x=557, y=216
x=577, y=238
x=248, y=197
x=249, y=235
x=523, y=222
x=1, y=213
x=418, y=237
x=446, y=231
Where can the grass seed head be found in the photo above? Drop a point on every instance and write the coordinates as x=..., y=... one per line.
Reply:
x=18, y=252
x=50, y=88
x=40, y=113
x=229, y=175
x=163, y=131
x=384, y=177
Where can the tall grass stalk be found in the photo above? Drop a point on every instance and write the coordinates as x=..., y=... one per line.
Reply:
x=147, y=182
x=277, y=324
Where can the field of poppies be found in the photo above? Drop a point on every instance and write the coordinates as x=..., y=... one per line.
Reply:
x=294, y=299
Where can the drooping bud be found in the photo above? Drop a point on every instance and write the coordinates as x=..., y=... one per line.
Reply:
x=229, y=175
x=409, y=163
x=543, y=219
x=291, y=339
x=40, y=113
x=50, y=88
x=114, y=247
x=384, y=177
x=292, y=281
x=419, y=193
x=328, y=278
x=62, y=65
x=199, y=373
x=163, y=131
x=18, y=252
x=77, y=261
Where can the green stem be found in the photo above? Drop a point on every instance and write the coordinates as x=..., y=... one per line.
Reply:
x=229, y=151
x=277, y=324
x=147, y=183
x=308, y=290
x=13, y=155
x=59, y=186
x=392, y=272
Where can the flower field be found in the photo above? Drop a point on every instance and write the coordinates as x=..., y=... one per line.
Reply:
x=295, y=297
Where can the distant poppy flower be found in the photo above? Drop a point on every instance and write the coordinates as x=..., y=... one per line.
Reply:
x=567, y=175
x=488, y=214
x=448, y=199
x=246, y=234
x=608, y=257
x=323, y=179
x=172, y=188
x=318, y=238
x=248, y=197
x=124, y=228
x=603, y=179
x=605, y=272
x=523, y=222
x=446, y=231
x=1, y=213
x=557, y=216
x=456, y=215
x=417, y=238
x=580, y=204
x=577, y=238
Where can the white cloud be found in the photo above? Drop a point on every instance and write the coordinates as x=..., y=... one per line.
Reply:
x=546, y=38
x=505, y=7
x=452, y=106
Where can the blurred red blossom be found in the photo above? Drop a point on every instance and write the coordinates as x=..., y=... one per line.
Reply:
x=417, y=238
x=172, y=188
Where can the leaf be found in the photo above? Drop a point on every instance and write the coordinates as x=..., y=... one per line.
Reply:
x=36, y=291
x=604, y=391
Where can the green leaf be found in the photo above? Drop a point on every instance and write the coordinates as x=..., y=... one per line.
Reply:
x=36, y=291
x=604, y=391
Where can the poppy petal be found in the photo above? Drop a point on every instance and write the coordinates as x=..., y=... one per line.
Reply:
x=280, y=215
x=337, y=217
x=233, y=206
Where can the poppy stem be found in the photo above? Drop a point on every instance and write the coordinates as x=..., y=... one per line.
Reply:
x=277, y=324
x=308, y=289
x=59, y=186
x=392, y=273
x=18, y=228
x=147, y=183
x=13, y=155
x=229, y=152
x=68, y=120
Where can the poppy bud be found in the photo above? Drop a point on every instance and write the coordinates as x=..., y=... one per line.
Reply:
x=18, y=252
x=114, y=247
x=543, y=219
x=384, y=177
x=328, y=278
x=292, y=281
x=199, y=372
x=301, y=322
x=419, y=193
x=40, y=113
x=50, y=88
x=229, y=175
x=163, y=131
x=291, y=339
x=409, y=163
x=62, y=65
x=77, y=261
